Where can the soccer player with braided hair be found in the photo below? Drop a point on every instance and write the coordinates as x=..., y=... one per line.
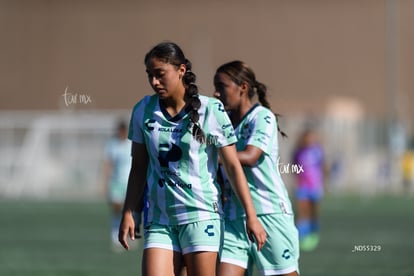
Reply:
x=257, y=146
x=177, y=136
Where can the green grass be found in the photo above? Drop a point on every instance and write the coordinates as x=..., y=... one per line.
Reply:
x=72, y=238
x=40, y=238
x=347, y=222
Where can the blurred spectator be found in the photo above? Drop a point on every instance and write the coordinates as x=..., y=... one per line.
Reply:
x=407, y=164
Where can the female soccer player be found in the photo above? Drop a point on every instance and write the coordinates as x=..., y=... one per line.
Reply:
x=309, y=188
x=177, y=137
x=116, y=169
x=257, y=149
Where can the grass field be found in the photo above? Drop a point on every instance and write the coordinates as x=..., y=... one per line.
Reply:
x=71, y=238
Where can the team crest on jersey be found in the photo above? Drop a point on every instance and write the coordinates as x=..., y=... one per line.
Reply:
x=245, y=132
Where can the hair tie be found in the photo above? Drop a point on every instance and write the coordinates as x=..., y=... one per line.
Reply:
x=194, y=96
x=188, y=71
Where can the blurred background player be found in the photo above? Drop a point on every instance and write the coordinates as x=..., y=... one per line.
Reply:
x=117, y=164
x=309, y=188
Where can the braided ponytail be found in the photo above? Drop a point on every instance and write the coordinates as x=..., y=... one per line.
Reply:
x=191, y=91
x=261, y=90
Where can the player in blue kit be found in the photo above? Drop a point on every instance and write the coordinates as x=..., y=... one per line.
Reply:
x=177, y=136
x=309, y=155
x=256, y=130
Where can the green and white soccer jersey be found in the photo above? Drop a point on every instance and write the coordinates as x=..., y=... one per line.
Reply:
x=259, y=128
x=117, y=151
x=181, y=175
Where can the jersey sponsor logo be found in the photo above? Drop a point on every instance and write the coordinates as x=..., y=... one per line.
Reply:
x=170, y=129
x=207, y=230
x=263, y=133
x=286, y=254
x=149, y=124
x=168, y=154
x=174, y=183
x=262, y=137
x=220, y=107
x=231, y=134
x=226, y=126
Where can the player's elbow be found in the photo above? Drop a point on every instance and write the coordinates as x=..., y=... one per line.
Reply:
x=248, y=160
x=250, y=156
x=249, y=163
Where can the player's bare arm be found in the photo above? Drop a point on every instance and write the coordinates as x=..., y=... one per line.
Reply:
x=135, y=192
x=238, y=181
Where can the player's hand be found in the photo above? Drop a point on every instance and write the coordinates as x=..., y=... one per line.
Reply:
x=126, y=228
x=256, y=232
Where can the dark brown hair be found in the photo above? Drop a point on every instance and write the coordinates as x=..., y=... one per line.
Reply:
x=171, y=53
x=240, y=72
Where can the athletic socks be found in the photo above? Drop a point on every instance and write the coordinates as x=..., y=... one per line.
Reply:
x=314, y=226
x=304, y=228
x=308, y=234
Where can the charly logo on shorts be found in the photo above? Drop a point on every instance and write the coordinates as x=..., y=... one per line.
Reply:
x=207, y=230
x=286, y=254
